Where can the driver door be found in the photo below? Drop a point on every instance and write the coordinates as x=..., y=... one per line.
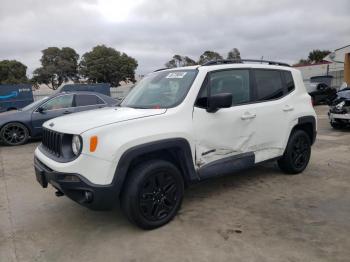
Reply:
x=55, y=107
x=226, y=135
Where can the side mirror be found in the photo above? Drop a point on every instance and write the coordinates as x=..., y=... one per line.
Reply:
x=41, y=109
x=218, y=101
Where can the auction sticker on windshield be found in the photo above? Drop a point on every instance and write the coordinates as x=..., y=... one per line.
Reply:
x=176, y=75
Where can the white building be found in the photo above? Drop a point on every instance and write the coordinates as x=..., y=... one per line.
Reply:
x=333, y=65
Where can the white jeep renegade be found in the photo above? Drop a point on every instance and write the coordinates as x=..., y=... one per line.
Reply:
x=175, y=128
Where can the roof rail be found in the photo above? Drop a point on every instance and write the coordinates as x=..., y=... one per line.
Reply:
x=241, y=61
x=161, y=69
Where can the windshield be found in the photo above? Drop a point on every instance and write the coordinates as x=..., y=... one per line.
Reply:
x=164, y=89
x=344, y=94
x=34, y=104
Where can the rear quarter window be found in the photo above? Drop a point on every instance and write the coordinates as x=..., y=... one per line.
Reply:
x=288, y=78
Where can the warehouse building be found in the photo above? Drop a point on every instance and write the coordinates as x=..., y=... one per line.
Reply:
x=332, y=64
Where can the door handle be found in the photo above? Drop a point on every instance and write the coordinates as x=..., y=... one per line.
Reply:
x=288, y=108
x=67, y=112
x=247, y=116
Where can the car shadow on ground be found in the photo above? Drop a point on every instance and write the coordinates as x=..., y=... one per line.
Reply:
x=115, y=219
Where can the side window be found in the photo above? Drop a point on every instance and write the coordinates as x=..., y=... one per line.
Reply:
x=235, y=82
x=289, y=81
x=87, y=100
x=269, y=84
x=59, y=102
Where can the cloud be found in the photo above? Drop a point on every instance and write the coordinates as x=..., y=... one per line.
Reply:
x=152, y=31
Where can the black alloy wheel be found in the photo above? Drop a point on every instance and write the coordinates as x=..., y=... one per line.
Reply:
x=13, y=134
x=158, y=196
x=152, y=194
x=297, y=154
x=300, y=152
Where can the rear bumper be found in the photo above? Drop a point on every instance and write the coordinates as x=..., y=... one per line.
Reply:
x=77, y=188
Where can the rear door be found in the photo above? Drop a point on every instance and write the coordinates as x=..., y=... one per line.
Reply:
x=85, y=102
x=273, y=108
x=55, y=107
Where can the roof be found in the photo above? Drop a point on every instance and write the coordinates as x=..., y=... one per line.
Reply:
x=315, y=64
x=342, y=48
x=223, y=66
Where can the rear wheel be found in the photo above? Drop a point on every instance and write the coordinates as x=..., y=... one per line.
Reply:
x=153, y=194
x=297, y=154
x=14, y=134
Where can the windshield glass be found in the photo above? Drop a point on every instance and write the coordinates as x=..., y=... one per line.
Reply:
x=34, y=104
x=344, y=94
x=164, y=89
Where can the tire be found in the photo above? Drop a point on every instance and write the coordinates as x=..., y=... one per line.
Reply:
x=14, y=134
x=153, y=194
x=337, y=125
x=297, y=154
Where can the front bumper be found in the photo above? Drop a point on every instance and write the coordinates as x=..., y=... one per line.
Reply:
x=77, y=188
x=333, y=116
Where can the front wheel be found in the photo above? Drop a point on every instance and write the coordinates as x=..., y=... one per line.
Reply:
x=297, y=154
x=14, y=134
x=153, y=194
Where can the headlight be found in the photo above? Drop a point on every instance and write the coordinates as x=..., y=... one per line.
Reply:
x=76, y=145
x=340, y=105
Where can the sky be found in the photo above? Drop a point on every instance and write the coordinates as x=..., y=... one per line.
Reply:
x=153, y=31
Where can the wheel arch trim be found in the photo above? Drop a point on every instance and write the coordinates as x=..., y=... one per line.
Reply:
x=179, y=146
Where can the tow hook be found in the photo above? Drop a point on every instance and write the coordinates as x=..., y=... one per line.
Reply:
x=59, y=193
x=88, y=197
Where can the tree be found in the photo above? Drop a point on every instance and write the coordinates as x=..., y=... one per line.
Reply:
x=317, y=55
x=179, y=61
x=209, y=56
x=302, y=62
x=107, y=65
x=58, y=66
x=234, y=54
x=12, y=72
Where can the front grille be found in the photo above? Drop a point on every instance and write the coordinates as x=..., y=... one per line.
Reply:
x=52, y=141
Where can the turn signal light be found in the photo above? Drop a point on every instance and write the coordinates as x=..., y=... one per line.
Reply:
x=93, y=143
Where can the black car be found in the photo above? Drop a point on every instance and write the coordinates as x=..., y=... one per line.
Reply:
x=16, y=127
x=320, y=89
x=339, y=109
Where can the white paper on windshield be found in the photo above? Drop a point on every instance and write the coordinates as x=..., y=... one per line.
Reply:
x=176, y=75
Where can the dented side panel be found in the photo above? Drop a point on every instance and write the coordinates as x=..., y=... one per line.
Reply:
x=222, y=134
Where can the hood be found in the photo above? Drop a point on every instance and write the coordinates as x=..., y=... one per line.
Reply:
x=13, y=116
x=78, y=123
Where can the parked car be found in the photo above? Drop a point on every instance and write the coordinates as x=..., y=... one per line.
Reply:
x=16, y=127
x=101, y=88
x=13, y=97
x=175, y=128
x=339, y=111
x=320, y=89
